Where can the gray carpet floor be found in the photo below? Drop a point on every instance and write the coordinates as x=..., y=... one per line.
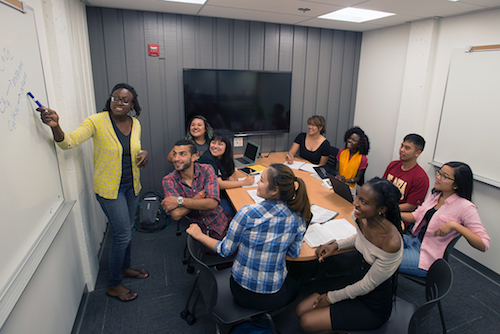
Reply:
x=472, y=306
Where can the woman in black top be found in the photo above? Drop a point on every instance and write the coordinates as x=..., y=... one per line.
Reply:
x=220, y=156
x=312, y=146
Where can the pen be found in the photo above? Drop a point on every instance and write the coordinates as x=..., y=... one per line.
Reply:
x=36, y=101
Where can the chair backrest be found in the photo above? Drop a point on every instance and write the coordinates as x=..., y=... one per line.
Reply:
x=437, y=285
x=450, y=247
x=439, y=280
x=332, y=157
x=420, y=320
x=206, y=279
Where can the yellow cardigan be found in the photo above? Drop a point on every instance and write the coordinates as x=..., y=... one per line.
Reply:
x=107, y=152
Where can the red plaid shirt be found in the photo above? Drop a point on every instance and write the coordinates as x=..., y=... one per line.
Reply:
x=204, y=179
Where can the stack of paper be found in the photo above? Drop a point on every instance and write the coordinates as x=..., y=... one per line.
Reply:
x=325, y=233
x=294, y=165
x=321, y=215
x=256, y=179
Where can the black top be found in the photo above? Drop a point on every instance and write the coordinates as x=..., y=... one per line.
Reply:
x=209, y=159
x=427, y=219
x=126, y=158
x=312, y=156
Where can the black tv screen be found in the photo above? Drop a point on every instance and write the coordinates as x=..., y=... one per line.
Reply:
x=239, y=101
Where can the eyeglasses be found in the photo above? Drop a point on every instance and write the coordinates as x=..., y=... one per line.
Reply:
x=125, y=102
x=443, y=176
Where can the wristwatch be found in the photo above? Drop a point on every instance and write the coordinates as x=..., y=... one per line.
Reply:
x=180, y=200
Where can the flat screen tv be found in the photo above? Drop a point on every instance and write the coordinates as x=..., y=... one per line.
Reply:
x=239, y=101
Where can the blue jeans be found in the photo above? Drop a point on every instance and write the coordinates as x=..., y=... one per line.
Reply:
x=121, y=215
x=411, y=256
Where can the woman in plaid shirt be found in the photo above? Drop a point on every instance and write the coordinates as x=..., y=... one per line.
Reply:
x=264, y=234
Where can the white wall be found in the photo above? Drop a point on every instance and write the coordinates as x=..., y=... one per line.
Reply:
x=50, y=301
x=395, y=98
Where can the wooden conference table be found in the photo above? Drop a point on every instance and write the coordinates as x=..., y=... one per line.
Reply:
x=318, y=195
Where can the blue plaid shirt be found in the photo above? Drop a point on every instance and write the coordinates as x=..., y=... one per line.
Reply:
x=264, y=234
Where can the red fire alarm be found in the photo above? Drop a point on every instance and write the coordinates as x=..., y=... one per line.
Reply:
x=154, y=50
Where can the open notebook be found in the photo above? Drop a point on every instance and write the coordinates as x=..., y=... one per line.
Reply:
x=325, y=233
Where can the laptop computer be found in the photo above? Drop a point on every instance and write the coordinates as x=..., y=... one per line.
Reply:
x=341, y=188
x=250, y=156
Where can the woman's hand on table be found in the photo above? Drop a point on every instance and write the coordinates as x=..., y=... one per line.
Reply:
x=249, y=180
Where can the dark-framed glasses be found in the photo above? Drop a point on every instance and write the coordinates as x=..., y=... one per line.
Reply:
x=443, y=176
x=116, y=99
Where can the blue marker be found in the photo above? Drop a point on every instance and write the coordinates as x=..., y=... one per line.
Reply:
x=36, y=101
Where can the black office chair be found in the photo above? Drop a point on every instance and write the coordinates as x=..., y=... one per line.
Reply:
x=422, y=280
x=331, y=165
x=212, y=260
x=216, y=292
x=407, y=317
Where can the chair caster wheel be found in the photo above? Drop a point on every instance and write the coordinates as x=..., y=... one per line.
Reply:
x=191, y=319
x=190, y=270
x=184, y=314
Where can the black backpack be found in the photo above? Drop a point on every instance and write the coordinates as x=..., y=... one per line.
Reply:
x=150, y=216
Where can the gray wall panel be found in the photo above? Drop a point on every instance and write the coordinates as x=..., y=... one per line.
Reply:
x=271, y=47
x=285, y=48
x=206, y=43
x=114, y=46
x=256, y=60
x=97, y=54
x=324, y=65
x=311, y=74
x=241, y=35
x=323, y=88
x=188, y=31
x=223, y=44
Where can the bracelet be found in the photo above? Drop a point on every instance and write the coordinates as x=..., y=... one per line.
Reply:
x=328, y=299
x=201, y=194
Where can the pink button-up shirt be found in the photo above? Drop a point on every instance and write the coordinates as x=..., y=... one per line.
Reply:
x=455, y=208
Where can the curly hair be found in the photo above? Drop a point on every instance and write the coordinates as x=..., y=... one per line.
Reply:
x=137, y=108
x=364, y=143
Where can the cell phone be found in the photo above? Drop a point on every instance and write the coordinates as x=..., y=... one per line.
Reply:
x=247, y=170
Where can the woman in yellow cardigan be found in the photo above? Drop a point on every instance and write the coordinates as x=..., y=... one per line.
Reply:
x=117, y=159
x=352, y=160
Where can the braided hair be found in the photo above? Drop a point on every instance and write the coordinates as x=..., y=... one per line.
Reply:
x=137, y=108
x=387, y=195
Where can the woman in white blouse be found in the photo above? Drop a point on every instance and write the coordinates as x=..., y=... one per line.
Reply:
x=379, y=248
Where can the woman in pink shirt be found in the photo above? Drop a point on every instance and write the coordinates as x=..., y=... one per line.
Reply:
x=446, y=213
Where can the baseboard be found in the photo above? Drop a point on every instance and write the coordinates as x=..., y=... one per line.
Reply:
x=485, y=271
x=81, y=311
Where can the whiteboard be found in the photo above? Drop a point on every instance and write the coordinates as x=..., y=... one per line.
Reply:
x=30, y=184
x=469, y=130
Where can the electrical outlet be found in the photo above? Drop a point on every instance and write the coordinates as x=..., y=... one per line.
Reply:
x=238, y=142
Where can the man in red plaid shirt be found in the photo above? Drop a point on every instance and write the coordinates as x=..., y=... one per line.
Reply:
x=191, y=190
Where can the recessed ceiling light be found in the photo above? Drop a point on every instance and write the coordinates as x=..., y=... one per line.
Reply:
x=196, y=2
x=355, y=15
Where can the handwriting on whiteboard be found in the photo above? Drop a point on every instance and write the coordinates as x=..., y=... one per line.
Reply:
x=13, y=79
